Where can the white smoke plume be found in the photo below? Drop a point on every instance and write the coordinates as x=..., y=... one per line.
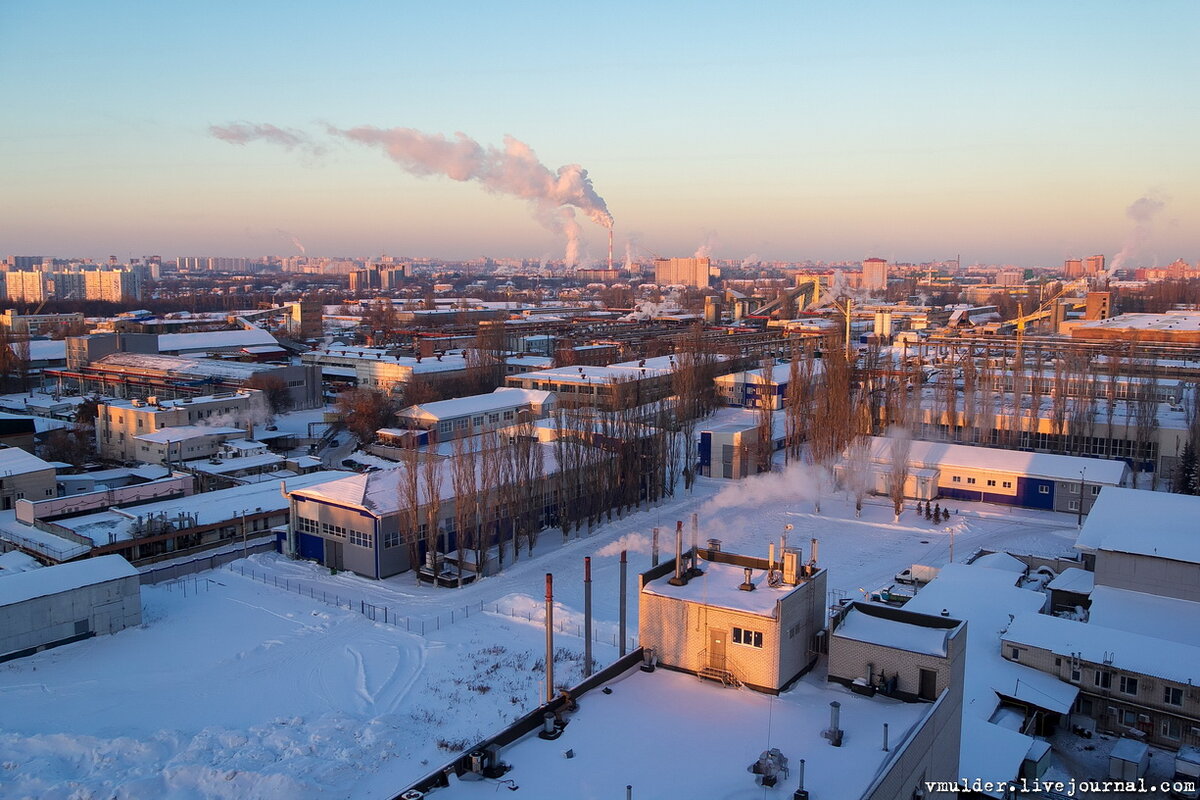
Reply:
x=750, y=260
x=295, y=240
x=633, y=542
x=798, y=482
x=628, y=255
x=245, y=132
x=512, y=170
x=1142, y=212
x=705, y=250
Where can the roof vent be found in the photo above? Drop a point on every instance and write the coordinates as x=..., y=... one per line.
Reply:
x=747, y=585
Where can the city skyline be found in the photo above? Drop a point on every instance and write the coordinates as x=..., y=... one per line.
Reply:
x=1024, y=134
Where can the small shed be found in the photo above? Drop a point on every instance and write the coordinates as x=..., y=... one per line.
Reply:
x=1129, y=760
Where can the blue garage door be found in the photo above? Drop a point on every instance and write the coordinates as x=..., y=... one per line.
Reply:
x=312, y=547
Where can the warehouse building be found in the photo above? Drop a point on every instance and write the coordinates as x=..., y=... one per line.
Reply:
x=57, y=605
x=990, y=475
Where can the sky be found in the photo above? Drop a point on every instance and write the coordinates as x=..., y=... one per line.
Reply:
x=1018, y=132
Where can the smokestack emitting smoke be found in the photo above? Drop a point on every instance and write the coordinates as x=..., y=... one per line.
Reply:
x=513, y=169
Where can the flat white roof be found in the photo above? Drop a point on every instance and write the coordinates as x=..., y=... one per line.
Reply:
x=671, y=736
x=181, y=433
x=942, y=455
x=15, y=461
x=1144, y=523
x=1074, y=579
x=500, y=399
x=1149, y=614
x=214, y=340
x=863, y=627
x=63, y=578
x=718, y=586
x=1124, y=650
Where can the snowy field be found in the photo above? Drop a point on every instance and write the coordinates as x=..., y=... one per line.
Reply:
x=239, y=689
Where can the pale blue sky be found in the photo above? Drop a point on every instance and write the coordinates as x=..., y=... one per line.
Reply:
x=1008, y=132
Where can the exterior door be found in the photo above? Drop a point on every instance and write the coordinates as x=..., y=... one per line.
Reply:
x=928, y=690
x=716, y=648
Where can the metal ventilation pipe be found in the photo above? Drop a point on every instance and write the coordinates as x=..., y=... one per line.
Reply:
x=835, y=713
x=624, y=566
x=587, y=616
x=654, y=550
x=678, y=580
x=695, y=543
x=549, y=637
x=885, y=737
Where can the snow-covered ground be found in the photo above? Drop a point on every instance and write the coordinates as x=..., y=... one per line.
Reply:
x=241, y=689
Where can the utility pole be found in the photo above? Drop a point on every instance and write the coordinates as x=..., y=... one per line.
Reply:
x=244, y=548
x=1081, y=473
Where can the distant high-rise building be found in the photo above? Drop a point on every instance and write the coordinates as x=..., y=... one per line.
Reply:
x=112, y=285
x=1073, y=268
x=25, y=263
x=682, y=271
x=1093, y=265
x=875, y=273
x=68, y=285
x=26, y=286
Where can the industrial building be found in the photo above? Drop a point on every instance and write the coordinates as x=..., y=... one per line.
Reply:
x=24, y=476
x=731, y=441
x=740, y=620
x=122, y=424
x=445, y=420
x=988, y=474
x=57, y=605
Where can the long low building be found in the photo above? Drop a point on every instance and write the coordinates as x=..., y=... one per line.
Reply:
x=57, y=605
x=990, y=475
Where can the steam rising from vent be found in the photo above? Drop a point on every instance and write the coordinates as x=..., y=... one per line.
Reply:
x=1142, y=211
x=633, y=542
x=244, y=133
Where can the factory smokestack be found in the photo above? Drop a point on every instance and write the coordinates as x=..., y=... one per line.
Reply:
x=587, y=616
x=610, y=238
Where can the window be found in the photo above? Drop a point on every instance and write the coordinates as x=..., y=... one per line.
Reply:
x=1015, y=653
x=1007, y=484
x=1043, y=489
x=1095, y=490
x=1128, y=718
x=1073, y=505
x=391, y=539
x=306, y=525
x=991, y=483
x=1074, y=488
x=493, y=418
x=1170, y=728
x=1102, y=679
x=956, y=479
x=359, y=538
x=444, y=427
x=1129, y=685
x=1173, y=695
x=747, y=637
x=508, y=415
x=970, y=480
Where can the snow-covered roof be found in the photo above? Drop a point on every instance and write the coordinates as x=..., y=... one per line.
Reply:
x=1001, y=561
x=718, y=586
x=1149, y=614
x=1168, y=321
x=1073, y=579
x=15, y=461
x=500, y=399
x=1144, y=523
x=182, y=433
x=863, y=627
x=228, y=465
x=15, y=561
x=380, y=492
x=985, y=598
x=934, y=455
x=46, y=349
x=214, y=340
x=63, y=578
x=180, y=367
x=672, y=736
x=1123, y=650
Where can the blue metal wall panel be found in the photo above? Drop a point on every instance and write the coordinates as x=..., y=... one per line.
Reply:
x=705, y=449
x=1030, y=494
x=311, y=547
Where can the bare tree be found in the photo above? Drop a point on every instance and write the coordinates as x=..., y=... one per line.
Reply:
x=409, y=492
x=431, y=488
x=765, y=446
x=465, y=480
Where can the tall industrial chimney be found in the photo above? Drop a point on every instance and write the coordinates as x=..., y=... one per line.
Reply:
x=680, y=578
x=624, y=594
x=610, y=242
x=587, y=616
x=549, y=637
